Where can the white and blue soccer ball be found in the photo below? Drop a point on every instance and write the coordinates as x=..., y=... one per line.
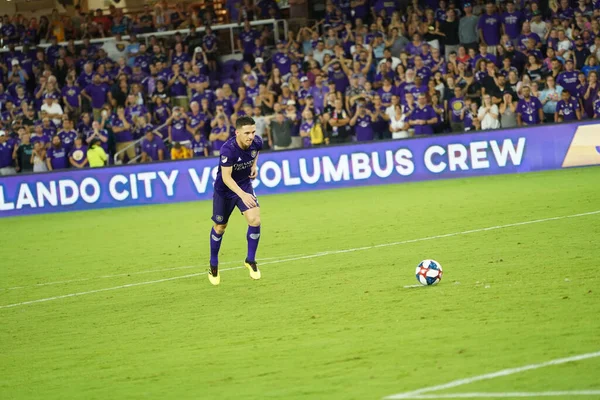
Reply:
x=429, y=272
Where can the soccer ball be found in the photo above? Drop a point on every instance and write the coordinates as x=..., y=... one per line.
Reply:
x=429, y=272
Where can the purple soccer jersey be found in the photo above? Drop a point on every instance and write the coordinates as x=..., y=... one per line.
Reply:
x=6, y=151
x=152, y=147
x=98, y=94
x=568, y=80
x=364, y=128
x=425, y=113
x=71, y=93
x=529, y=110
x=58, y=157
x=568, y=109
x=241, y=161
x=68, y=139
x=198, y=147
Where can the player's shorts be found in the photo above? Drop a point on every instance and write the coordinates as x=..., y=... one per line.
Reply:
x=223, y=206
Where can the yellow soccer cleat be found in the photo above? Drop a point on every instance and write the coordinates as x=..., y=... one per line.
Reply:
x=213, y=275
x=254, y=271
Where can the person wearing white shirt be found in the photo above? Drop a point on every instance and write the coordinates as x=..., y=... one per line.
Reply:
x=52, y=109
x=398, y=124
x=488, y=114
x=320, y=51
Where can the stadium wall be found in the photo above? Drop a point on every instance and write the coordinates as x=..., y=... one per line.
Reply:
x=538, y=148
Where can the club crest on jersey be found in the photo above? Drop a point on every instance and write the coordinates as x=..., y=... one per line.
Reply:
x=253, y=154
x=223, y=159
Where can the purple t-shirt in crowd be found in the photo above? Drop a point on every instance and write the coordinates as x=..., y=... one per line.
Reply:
x=178, y=88
x=217, y=144
x=425, y=113
x=71, y=93
x=6, y=151
x=283, y=62
x=68, y=139
x=198, y=146
x=179, y=132
x=58, y=157
x=490, y=27
x=123, y=136
x=512, y=23
x=247, y=38
x=364, y=128
x=567, y=109
x=529, y=110
x=568, y=80
x=180, y=58
x=456, y=106
x=98, y=94
x=152, y=147
x=78, y=153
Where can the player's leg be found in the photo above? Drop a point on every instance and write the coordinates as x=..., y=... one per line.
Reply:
x=253, y=236
x=222, y=209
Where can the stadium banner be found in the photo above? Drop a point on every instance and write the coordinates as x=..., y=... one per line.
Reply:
x=540, y=148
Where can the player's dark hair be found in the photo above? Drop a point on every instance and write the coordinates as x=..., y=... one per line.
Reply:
x=244, y=121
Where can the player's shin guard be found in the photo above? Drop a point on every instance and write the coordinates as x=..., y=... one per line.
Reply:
x=215, y=246
x=253, y=237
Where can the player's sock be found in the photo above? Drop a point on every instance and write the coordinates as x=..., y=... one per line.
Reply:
x=253, y=237
x=215, y=246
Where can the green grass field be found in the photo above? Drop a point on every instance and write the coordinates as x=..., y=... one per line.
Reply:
x=130, y=314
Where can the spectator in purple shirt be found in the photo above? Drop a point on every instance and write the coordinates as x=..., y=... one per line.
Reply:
x=246, y=42
x=78, y=154
x=57, y=156
x=199, y=145
x=96, y=93
x=489, y=28
x=529, y=109
x=423, y=117
x=511, y=20
x=122, y=128
x=153, y=148
x=363, y=123
x=567, y=108
x=6, y=155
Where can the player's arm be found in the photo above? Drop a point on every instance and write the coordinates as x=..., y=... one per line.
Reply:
x=228, y=180
x=254, y=169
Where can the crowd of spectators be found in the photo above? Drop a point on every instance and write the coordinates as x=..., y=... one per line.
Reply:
x=368, y=70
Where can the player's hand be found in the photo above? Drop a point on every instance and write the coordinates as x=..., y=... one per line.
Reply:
x=249, y=200
x=253, y=172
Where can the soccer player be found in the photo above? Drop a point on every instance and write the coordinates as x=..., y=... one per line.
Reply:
x=233, y=188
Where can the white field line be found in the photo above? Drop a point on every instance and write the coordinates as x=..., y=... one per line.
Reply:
x=316, y=255
x=493, y=375
x=131, y=273
x=485, y=395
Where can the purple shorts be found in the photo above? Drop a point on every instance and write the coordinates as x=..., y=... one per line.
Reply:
x=224, y=204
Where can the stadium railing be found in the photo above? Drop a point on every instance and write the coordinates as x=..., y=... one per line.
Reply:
x=277, y=24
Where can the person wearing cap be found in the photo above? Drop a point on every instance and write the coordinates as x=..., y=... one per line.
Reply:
x=51, y=109
x=467, y=27
x=580, y=53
